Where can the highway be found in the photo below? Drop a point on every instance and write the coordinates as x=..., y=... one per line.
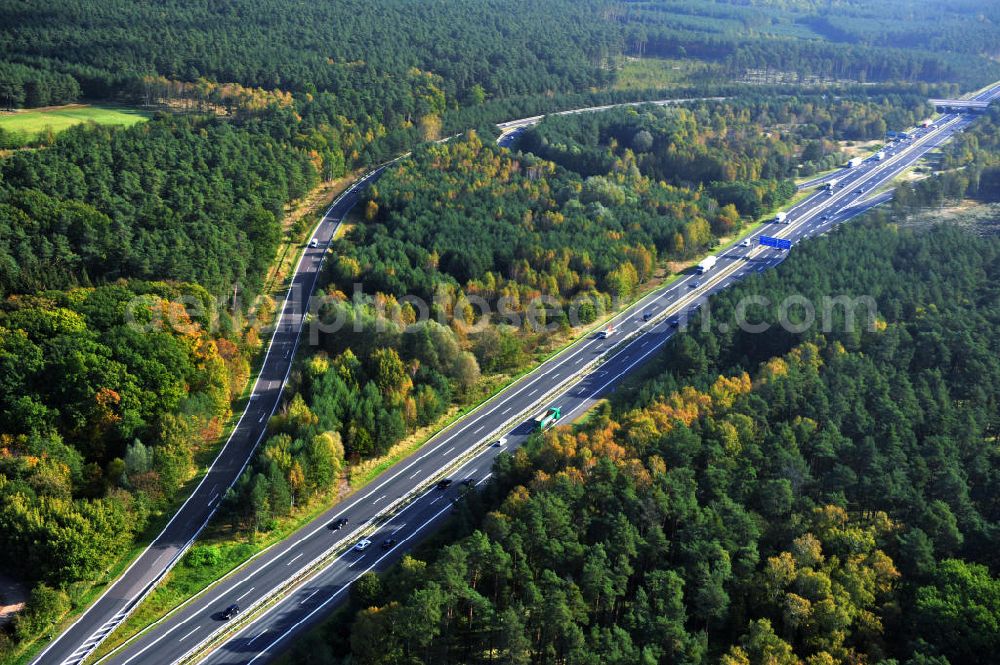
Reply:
x=314, y=566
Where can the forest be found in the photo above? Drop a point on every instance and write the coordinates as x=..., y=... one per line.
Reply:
x=740, y=151
x=85, y=460
x=493, y=50
x=661, y=182
x=501, y=47
x=810, y=497
x=588, y=244
x=797, y=39
x=179, y=198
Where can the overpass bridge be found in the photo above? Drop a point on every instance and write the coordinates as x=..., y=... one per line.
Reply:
x=960, y=105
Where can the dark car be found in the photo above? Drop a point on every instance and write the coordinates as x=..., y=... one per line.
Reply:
x=469, y=482
x=338, y=524
x=674, y=321
x=230, y=611
x=647, y=315
x=388, y=543
x=444, y=483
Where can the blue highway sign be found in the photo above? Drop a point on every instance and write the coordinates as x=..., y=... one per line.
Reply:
x=780, y=243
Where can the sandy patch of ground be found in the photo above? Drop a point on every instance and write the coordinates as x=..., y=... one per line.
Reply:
x=981, y=218
x=12, y=598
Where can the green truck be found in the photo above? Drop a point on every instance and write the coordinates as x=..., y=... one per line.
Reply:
x=547, y=419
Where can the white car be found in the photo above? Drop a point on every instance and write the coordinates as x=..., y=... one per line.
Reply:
x=363, y=545
x=314, y=243
x=501, y=442
x=745, y=243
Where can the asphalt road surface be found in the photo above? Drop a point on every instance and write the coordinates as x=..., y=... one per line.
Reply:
x=404, y=505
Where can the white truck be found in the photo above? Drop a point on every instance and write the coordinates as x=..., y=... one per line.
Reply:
x=707, y=264
x=606, y=333
x=879, y=156
x=854, y=162
x=781, y=217
x=830, y=184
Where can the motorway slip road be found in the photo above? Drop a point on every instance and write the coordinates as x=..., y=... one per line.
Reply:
x=404, y=504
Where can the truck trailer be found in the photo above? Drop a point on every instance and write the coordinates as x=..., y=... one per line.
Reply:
x=781, y=217
x=548, y=418
x=854, y=162
x=707, y=264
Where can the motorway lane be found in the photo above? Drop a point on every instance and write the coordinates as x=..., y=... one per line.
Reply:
x=264, y=637
x=83, y=636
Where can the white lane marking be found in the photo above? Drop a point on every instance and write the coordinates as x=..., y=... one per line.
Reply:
x=260, y=634
x=294, y=558
x=262, y=416
x=245, y=594
x=435, y=500
x=506, y=411
x=533, y=392
x=379, y=499
x=213, y=498
x=310, y=596
x=478, y=429
x=448, y=451
x=415, y=475
x=187, y=635
x=398, y=529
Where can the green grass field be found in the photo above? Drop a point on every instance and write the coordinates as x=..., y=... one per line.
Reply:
x=30, y=123
x=658, y=73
